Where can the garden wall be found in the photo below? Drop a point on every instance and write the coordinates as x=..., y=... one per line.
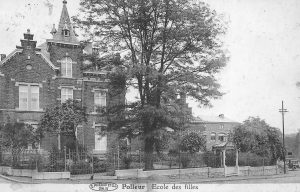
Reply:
x=205, y=172
x=33, y=173
x=252, y=171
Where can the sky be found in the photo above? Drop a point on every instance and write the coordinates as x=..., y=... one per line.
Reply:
x=263, y=40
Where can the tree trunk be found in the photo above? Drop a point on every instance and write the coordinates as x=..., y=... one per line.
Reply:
x=148, y=157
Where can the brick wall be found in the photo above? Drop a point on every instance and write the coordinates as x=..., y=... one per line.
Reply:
x=50, y=82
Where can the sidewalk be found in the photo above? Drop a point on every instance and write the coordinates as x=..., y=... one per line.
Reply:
x=27, y=180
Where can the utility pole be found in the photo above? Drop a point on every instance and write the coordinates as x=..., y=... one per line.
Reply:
x=282, y=111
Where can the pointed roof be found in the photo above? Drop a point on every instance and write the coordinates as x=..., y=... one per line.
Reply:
x=65, y=23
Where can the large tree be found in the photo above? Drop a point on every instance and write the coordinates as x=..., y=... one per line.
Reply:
x=168, y=47
x=256, y=136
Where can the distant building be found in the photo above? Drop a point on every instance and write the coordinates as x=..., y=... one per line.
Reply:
x=216, y=129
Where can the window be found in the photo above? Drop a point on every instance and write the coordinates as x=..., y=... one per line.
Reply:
x=213, y=136
x=29, y=97
x=99, y=99
x=221, y=137
x=222, y=126
x=100, y=138
x=66, y=33
x=66, y=67
x=66, y=93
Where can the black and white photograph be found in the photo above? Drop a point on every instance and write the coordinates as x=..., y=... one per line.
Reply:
x=149, y=95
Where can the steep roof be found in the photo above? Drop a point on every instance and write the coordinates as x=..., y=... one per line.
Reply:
x=65, y=23
x=212, y=119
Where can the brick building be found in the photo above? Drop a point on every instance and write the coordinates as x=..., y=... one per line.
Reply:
x=33, y=78
x=216, y=129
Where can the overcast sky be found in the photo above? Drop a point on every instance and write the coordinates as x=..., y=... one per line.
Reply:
x=263, y=40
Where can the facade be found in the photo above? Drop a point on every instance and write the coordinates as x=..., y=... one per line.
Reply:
x=33, y=78
x=216, y=129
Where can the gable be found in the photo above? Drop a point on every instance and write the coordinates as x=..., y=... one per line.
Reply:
x=27, y=66
x=17, y=51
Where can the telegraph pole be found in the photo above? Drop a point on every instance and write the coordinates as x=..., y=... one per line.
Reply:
x=282, y=111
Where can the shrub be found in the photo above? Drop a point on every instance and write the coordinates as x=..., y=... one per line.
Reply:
x=127, y=161
x=185, y=161
x=80, y=167
x=192, y=143
x=211, y=159
x=251, y=159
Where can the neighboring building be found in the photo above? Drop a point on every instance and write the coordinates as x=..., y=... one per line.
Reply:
x=33, y=78
x=216, y=129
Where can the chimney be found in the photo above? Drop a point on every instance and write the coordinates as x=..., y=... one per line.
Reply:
x=221, y=116
x=28, y=35
x=2, y=57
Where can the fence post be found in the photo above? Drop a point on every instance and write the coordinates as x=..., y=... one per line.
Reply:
x=70, y=154
x=92, y=163
x=263, y=166
x=118, y=158
x=140, y=159
x=114, y=154
x=65, y=157
x=36, y=155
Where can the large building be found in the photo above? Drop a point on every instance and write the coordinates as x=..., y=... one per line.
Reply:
x=33, y=78
x=216, y=129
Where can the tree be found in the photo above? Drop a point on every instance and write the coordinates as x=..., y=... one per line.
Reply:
x=63, y=118
x=168, y=47
x=193, y=143
x=17, y=136
x=256, y=136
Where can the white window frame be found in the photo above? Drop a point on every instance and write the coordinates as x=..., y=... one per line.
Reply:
x=66, y=94
x=67, y=62
x=29, y=92
x=103, y=96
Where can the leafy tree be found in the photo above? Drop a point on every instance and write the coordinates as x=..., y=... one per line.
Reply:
x=63, y=118
x=17, y=136
x=193, y=143
x=168, y=47
x=256, y=136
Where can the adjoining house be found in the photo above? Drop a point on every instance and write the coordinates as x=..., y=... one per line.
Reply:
x=216, y=129
x=33, y=78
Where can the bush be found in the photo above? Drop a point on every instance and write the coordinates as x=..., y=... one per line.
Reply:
x=193, y=143
x=127, y=161
x=81, y=167
x=211, y=159
x=185, y=161
x=251, y=159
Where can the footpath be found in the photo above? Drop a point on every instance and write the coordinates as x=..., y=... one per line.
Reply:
x=27, y=180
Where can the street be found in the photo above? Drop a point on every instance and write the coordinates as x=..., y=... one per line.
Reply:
x=290, y=177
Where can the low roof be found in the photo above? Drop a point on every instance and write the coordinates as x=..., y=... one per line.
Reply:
x=224, y=145
x=212, y=119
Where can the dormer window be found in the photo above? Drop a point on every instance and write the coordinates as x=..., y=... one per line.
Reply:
x=66, y=30
x=66, y=33
x=66, y=67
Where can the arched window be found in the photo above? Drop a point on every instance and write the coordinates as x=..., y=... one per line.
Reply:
x=66, y=67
